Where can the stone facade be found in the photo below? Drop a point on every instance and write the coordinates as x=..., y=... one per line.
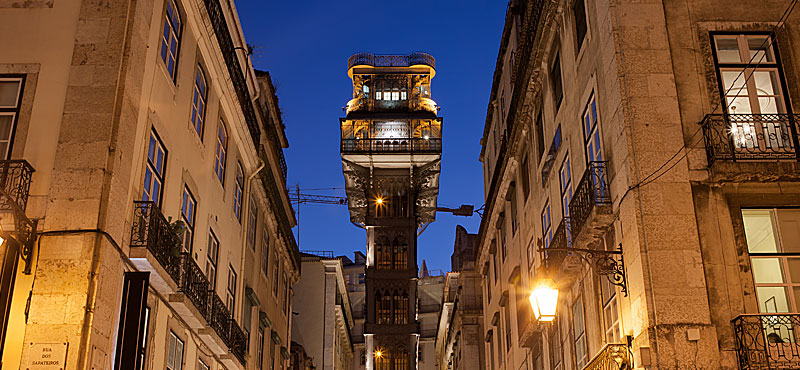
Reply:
x=98, y=99
x=607, y=141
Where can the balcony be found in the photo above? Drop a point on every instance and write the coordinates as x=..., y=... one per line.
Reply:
x=377, y=60
x=590, y=207
x=392, y=145
x=415, y=104
x=611, y=357
x=767, y=341
x=155, y=247
x=15, y=183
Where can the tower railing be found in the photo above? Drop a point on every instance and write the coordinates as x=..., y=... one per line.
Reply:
x=397, y=145
x=378, y=60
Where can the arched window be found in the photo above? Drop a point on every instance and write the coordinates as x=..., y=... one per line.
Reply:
x=400, y=251
x=383, y=254
x=383, y=306
x=400, y=359
x=396, y=314
x=403, y=309
x=382, y=361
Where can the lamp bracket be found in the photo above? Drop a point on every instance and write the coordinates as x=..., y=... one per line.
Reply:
x=604, y=262
x=25, y=232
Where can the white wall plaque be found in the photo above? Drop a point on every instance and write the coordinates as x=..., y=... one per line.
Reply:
x=47, y=356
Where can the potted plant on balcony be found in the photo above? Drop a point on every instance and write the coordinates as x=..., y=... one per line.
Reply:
x=177, y=229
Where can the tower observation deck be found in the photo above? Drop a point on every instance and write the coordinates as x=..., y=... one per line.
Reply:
x=391, y=147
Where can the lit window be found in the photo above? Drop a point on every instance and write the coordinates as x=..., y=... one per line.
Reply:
x=231, y=301
x=377, y=95
x=591, y=132
x=199, y=102
x=237, y=192
x=188, y=210
x=211, y=260
x=579, y=332
x=175, y=353
x=547, y=232
x=10, y=101
x=154, y=170
x=221, y=152
x=170, y=38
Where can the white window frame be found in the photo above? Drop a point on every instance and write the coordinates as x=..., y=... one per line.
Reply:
x=154, y=170
x=175, y=348
x=188, y=205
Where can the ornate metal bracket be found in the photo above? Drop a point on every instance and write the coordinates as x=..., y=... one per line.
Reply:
x=15, y=179
x=604, y=263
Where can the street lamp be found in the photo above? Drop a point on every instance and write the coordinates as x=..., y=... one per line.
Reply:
x=378, y=354
x=544, y=299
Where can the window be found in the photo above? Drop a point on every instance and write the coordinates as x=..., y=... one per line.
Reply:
x=608, y=296
x=188, y=210
x=143, y=342
x=539, y=137
x=361, y=277
x=495, y=265
x=265, y=251
x=154, y=169
x=272, y=355
x=276, y=266
x=591, y=132
x=212, y=258
x=175, y=352
x=171, y=38
x=199, y=102
x=10, y=102
x=383, y=303
x=231, y=298
x=260, y=349
x=566, y=186
x=284, y=291
x=363, y=356
x=400, y=308
x=499, y=343
x=555, y=80
x=773, y=241
x=382, y=362
x=202, y=365
x=513, y=201
x=133, y=321
x=400, y=255
x=503, y=246
x=400, y=359
x=508, y=327
x=555, y=348
x=221, y=152
x=525, y=178
x=252, y=219
x=579, y=12
x=547, y=232
x=579, y=332
x=237, y=192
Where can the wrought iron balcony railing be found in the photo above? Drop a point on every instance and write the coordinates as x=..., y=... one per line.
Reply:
x=751, y=137
x=394, y=145
x=220, y=318
x=195, y=285
x=767, y=341
x=238, y=341
x=592, y=190
x=377, y=60
x=153, y=231
x=561, y=240
x=612, y=356
x=15, y=183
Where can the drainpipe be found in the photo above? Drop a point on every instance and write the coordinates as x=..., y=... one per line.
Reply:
x=245, y=213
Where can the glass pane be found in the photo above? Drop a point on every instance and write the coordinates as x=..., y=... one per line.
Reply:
x=767, y=270
x=728, y=49
x=794, y=270
x=6, y=123
x=759, y=230
x=766, y=81
x=739, y=105
x=8, y=93
x=734, y=83
x=772, y=299
x=769, y=105
x=760, y=49
x=789, y=221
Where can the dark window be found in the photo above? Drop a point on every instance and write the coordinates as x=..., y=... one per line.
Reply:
x=555, y=79
x=252, y=220
x=154, y=170
x=579, y=11
x=525, y=178
x=221, y=152
x=174, y=352
x=10, y=101
x=265, y=251
x=133, y=320
x=231, y=301
x=237, y=192
x=539, y=137
x=211, y=259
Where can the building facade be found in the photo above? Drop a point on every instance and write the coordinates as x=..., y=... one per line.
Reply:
x=391, y=150
x=324, y=318
x=430, y=288
x=642, y=156
x=460, y=335
x=150, y=208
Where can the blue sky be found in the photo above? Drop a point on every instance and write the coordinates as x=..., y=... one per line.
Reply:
x=305, y=46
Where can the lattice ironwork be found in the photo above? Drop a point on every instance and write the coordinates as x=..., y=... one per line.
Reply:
x=195, y=285
x=235, y=70
x=220, y=318
x=767, y=341
x=394, y=145
x=751, y=137
x=608, y=263
x=613, y=356
x=238, y=341
x=377, y=60
x=151, y=230
x=15, y=184
x=592, y=190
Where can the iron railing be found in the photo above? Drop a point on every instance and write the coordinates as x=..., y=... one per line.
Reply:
x=238, y=341
x=561, y=240
x=153, y=231
x=412, y=145
x=228, y=50
x=377, y=60
x=751, y=137
x=195, y=285
x=612, y=356
x=592, y=190
x=321, y=254
x=767, y=341
x=15, y=182
x=219, y=318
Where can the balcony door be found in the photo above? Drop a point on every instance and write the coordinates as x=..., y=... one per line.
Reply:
x=752, y=92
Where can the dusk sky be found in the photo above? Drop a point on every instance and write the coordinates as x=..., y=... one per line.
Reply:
x=305, y=46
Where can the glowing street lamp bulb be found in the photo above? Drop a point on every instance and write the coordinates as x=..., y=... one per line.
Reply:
x=378, y=354
x=544, y=299
x=379, y=201
x=426, y=137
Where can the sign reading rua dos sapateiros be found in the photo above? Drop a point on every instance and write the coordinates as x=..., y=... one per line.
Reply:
x=47, y=356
